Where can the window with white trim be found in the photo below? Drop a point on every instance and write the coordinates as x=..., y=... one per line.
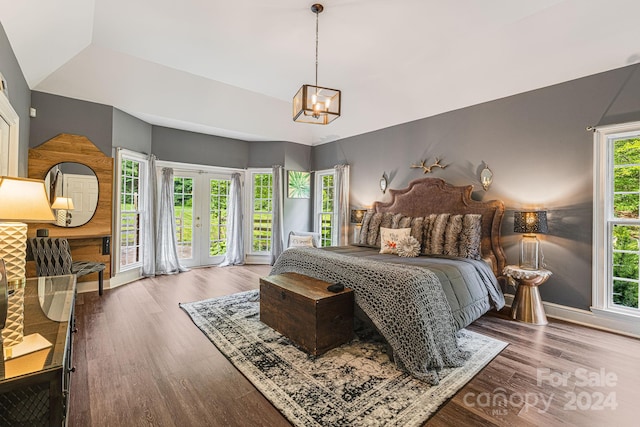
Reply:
x=260, y=226
x=325, y=202
x=617, y=219
x=131, y=193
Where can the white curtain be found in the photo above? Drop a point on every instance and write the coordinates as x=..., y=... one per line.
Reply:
x=167, y=261
x=342, y=204
x=149, y=221
x=276, y=225
x=235, y=242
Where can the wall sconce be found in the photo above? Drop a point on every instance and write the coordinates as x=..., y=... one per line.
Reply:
x=383, y=183
x=529, y=223
x=486, y=177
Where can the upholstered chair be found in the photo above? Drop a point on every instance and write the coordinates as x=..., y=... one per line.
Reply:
x=53, y=258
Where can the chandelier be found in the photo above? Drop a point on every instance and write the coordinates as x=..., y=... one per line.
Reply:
x=312, y=103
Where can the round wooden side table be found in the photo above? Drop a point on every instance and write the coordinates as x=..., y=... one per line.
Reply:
x=527, y=304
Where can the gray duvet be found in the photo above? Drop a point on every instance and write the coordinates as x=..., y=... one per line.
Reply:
x=470, y=286
x=409, y=305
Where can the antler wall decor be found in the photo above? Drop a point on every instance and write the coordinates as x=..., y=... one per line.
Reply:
x=427, y=169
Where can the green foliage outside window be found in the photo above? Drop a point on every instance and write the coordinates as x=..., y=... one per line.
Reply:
x=218, y=205
x=326, y=217
x=262, y=212
x=626, y=205
x=129, y=212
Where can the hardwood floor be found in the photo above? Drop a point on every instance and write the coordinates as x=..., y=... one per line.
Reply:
x=140, y=361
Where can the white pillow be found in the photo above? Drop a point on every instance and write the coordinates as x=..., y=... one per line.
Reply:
x=300, y=241
x=314, y=236
x=389, y=238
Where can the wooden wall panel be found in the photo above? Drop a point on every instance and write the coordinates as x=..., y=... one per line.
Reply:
x=85, y=240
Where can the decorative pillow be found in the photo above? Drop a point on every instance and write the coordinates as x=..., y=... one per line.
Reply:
x=385, y=222
x=416, y=226
x=389, y=238
x=295, y=241
x=315, y=237
x=374, y=230
x=471, y=236
x=405, y=222
x=453, y=235
x=435, y=240
x=395, y=220
x=408, y=247
x=364, y=228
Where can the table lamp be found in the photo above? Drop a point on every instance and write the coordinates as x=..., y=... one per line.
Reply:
x=21, y=200
x=357, y=215
x=63, y=205
x=529, y=223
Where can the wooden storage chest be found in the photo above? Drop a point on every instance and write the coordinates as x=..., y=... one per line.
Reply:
x=302, y=309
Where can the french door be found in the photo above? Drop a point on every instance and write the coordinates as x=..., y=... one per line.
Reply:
x=200, y=208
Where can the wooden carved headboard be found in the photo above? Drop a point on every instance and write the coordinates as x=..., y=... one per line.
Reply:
x=434, y=196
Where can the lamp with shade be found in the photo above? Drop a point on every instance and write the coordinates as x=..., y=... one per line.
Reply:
x=63, y=205
x=357, y=215
x=530, y=223
x=21, y=200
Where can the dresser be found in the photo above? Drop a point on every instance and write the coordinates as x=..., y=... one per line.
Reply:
x=36, y=362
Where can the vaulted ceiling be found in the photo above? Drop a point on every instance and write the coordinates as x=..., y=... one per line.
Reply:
x=231, y=68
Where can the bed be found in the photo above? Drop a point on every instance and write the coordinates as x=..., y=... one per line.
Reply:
x=419, y=303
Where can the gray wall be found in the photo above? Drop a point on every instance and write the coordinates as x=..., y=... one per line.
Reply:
x=196, y=148
x=131, y=133
x=297, y=212
x=539, y=151
x=19, y=96
x=266, y=154
x=59, y=114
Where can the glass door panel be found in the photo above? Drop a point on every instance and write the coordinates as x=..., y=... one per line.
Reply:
x=200, y=204
x=183, y=198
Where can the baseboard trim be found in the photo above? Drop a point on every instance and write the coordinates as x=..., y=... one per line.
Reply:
x=84, y=287
x=587, y=318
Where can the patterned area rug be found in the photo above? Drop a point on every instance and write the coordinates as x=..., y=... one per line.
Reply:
x=354, y=385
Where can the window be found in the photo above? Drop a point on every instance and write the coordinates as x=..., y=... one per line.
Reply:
x=183, y=212
x=617, y=219
x=131, y=195
x=261, y=211
x=218, y=204
x=325, y=215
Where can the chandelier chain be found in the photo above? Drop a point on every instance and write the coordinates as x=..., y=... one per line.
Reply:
x=317, y=12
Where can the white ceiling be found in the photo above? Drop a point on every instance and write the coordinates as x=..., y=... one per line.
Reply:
x=231, y=68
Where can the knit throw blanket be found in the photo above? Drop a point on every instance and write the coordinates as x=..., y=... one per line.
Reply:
x=406, y=304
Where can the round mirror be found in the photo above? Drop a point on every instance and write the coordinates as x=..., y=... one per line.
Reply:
x=73, y=193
